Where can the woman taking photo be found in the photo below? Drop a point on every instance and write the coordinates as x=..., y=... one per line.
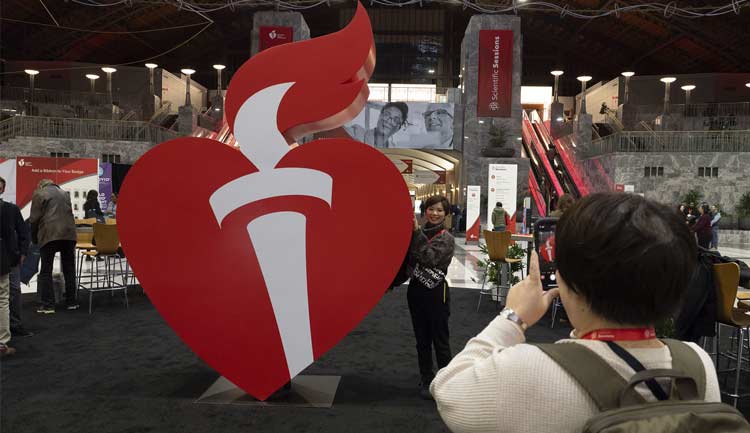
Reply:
x=623, y=265
x=430, y=253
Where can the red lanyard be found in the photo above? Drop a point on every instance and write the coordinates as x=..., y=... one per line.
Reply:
x=626, y=334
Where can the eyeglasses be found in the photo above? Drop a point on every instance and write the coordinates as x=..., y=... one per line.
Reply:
x=391, y=118
x=439, y=111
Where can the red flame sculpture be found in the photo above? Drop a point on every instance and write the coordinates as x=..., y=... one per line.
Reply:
x=328, y=91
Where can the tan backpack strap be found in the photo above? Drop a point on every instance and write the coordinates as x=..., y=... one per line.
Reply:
x=687, y=361
x=600, y=381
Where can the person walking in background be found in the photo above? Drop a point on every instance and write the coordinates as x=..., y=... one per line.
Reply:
x=91, y=208
x=421, y=209
x=456, y=212
x=565, y=202
x=702, y=226
x=53, y=228
x=14, y=244
x=430, y=254
x=716, y=217
x=499, y=218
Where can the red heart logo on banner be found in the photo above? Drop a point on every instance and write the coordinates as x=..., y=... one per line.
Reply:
x=262, y=260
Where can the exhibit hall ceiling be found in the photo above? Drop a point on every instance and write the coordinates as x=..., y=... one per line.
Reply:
x=417, y=43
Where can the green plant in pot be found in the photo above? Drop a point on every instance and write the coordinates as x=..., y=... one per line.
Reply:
x=743, y=211
x=493, y=272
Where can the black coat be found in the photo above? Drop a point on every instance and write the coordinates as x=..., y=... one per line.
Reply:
x=14, y=237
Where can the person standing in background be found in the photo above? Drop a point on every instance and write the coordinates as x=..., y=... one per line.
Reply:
x=715, y=227
x=53, y=228
x=499, y=218
x=112, y=207
x=702, y=227
x=91, y=208
x=13, y=249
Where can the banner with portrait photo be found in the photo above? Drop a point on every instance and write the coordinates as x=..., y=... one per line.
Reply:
x=405, y=125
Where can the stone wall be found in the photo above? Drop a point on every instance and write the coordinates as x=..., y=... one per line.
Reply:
x=681, y=175
x=129, y=151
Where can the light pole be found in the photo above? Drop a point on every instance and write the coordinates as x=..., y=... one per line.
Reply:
x=667, y=82
x=92, y=78
x=108, y=70
x=583, y=79
x=32, y=73
x=687, y=89
x=188, y=73
x=627, y=76
x=151, y=67
x=557, y=74
x=219, y=68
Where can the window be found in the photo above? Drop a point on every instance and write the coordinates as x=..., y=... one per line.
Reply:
x=60, y=154
x=708, y=171
x=653, y=171
x=111, y=157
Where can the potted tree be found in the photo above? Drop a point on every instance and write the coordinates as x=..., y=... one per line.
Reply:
x=743, y=212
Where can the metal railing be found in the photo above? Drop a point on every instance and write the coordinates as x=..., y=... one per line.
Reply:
x=53, y=96
x=90, y=129
x=671, y=141
x=699, y=117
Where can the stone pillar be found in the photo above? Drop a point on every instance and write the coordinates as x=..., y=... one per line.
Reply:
x=476, y=130
x=187, y=119
x=280, y=19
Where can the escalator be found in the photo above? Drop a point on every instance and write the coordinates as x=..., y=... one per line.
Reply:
x=543, y=182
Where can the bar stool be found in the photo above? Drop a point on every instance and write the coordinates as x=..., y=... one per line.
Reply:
x=497, y=248
x=727, y=277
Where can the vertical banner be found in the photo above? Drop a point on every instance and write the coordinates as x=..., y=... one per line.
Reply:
x=271, y=36
x=8, y=172
x=105, y=185
x=473, y=194
x=503, y=187
x=76, y=176
x=495, y=75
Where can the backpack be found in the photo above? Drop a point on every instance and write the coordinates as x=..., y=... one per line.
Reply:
x=623, y=409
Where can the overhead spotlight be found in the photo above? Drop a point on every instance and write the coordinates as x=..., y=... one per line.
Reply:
x=92, y=76
x=431, y=71
x=187, y=71
x=219, y=67
x=584, y=78
x=152, y=65
x=627, y=74
x=557, y=73
x=31, y=71
x=688, y=88
x=109, y=70
x=668, y=80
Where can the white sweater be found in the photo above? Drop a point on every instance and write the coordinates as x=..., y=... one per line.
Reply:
x=497, y=384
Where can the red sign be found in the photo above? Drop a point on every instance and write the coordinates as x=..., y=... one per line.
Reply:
x=495, y=73
x=619, y=187
x=271, y=36
x=409, y=166
x=69, y=173
x=267, y=220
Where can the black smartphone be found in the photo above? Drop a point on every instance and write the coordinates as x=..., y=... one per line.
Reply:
x=544, y=244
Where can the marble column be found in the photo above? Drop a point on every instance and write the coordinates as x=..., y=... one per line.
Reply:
x=476, y=129
x=280, y=19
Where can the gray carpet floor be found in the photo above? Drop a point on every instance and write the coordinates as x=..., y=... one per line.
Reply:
x=121, y=370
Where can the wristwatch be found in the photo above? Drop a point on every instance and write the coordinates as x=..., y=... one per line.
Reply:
x=511, y=315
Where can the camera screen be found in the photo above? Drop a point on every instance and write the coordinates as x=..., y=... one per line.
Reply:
x=544, y=238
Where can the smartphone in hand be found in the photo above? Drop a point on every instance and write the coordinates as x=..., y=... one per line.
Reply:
x=544, y=244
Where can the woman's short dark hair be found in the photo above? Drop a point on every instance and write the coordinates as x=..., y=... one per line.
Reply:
x=92, y=195
x=565, y=202
x=706, y=208
x=401, y=107
x=630, y=258
x=435, y=199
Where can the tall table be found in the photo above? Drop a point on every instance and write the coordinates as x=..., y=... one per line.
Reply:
x=529, y=239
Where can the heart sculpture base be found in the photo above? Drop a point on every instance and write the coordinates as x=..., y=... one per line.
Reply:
x=306, y=391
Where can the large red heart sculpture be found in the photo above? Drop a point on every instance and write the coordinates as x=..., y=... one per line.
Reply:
x=204, y=277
